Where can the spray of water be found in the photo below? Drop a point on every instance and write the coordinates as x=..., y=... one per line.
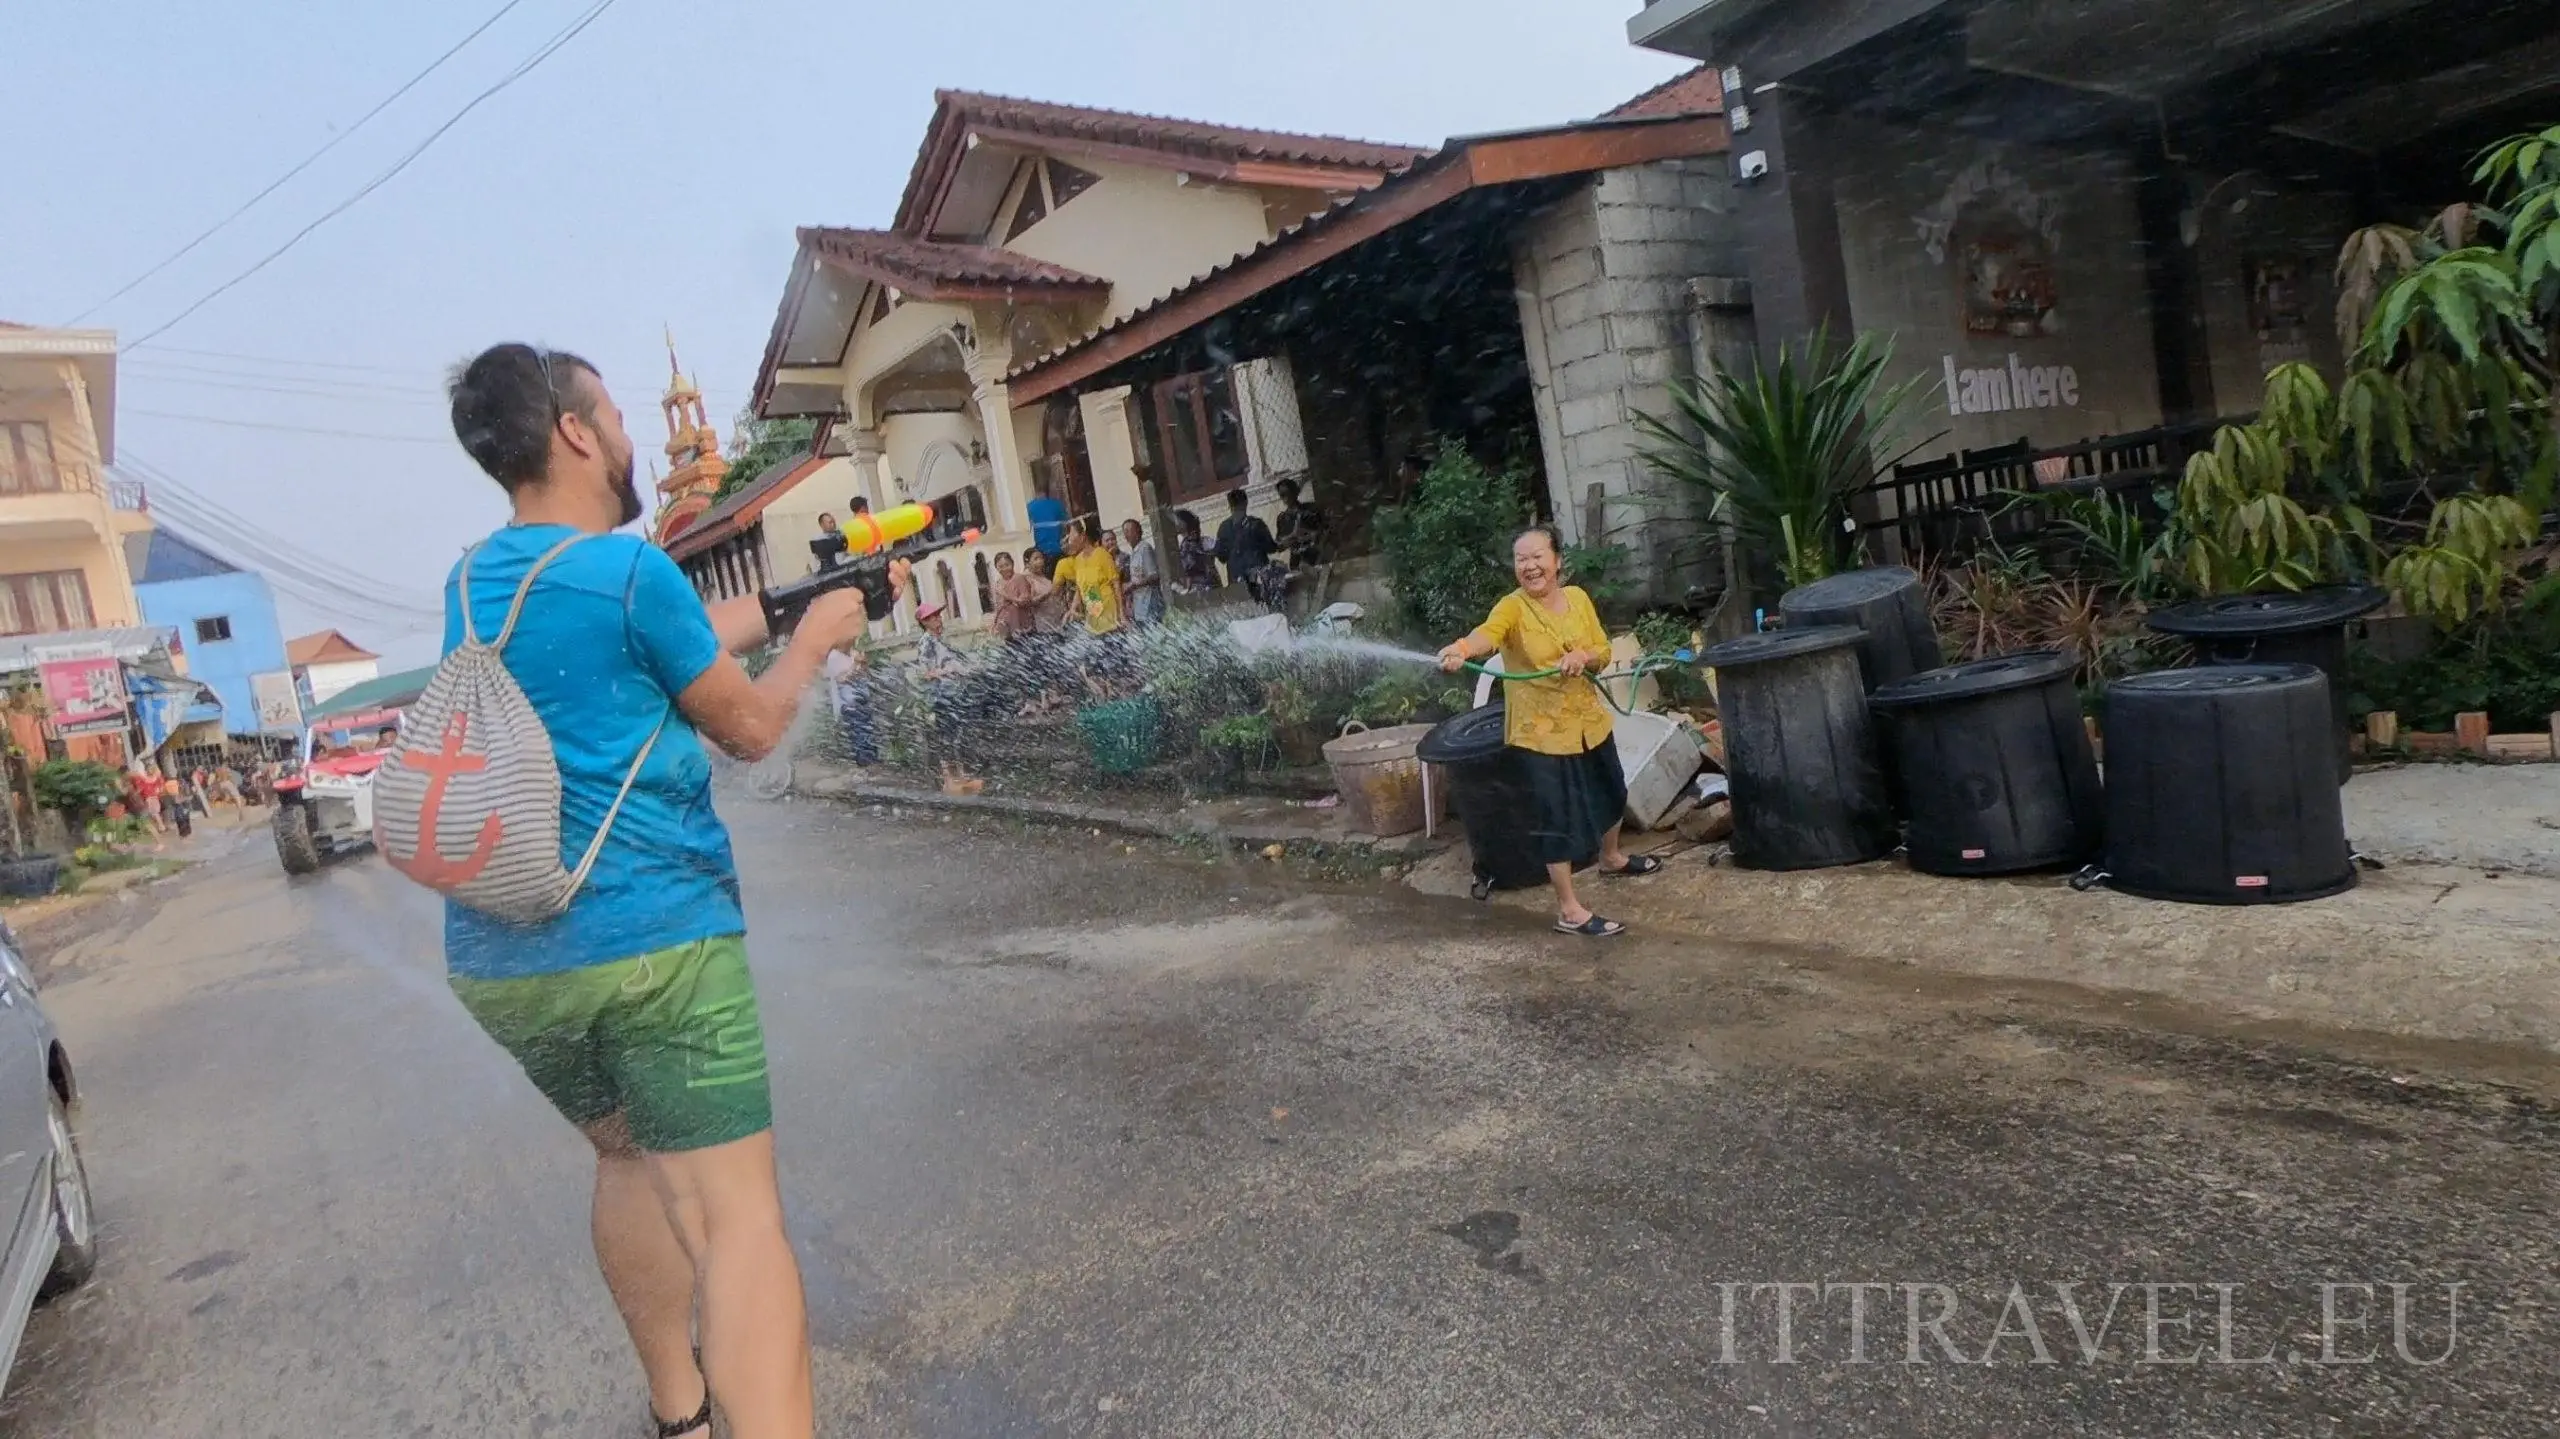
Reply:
x=1018, y=713
x=1371, y=649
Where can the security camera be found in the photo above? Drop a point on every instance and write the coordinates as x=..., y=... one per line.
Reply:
x=1753, y=166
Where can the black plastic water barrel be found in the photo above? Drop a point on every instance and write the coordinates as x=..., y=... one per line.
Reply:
x=1889, y=608
x=1992, y=765
x=2220, y=786
x=1494, y=803
x=1800, y=750
x=2305, y=628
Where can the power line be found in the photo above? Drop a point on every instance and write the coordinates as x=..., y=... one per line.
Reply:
x=548, y=49
x=258, y=550
x=335, y=583
x=152, y=365
x=385, y=397
x=275, y=360
x=290, y=429
x=219, y=225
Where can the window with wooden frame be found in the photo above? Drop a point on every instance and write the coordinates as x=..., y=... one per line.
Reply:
x=26, y=459
x=1199, y=435
x=43, y=604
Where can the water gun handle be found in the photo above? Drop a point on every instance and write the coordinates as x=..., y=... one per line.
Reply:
x=784, y=604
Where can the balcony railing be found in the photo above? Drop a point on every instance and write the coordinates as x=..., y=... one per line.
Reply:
x=77, y=477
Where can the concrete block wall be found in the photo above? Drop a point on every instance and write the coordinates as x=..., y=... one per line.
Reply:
x=1603, y=279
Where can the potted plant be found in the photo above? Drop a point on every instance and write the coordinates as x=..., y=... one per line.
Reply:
x=1240, y=744
x=78, y=790
x=1780, y=450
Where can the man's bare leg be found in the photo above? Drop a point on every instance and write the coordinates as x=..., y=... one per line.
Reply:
x=726, y=1206
x=647, y=1269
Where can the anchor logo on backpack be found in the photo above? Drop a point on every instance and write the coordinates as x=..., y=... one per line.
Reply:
x=492, y=776
x=427, y=864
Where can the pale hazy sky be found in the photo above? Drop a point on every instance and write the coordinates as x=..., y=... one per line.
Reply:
x=649, y=174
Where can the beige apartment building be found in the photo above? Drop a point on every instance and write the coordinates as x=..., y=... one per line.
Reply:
x=62, y=519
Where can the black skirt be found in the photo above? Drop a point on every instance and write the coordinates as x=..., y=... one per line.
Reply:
x=1578, y=797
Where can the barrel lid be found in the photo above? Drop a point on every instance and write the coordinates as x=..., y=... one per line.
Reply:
x=1997, y=675
x=2229, y=616
x=2215, y=678
x=1848, y=591
x=1477, y=734
x=1780, y=644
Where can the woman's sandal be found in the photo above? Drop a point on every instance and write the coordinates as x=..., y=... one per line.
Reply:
x=1593, y=928
x=1637, y=864
x=698, y=1425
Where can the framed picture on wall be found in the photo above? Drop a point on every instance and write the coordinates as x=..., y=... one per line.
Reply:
x=2008, y=276
x=2278, y=307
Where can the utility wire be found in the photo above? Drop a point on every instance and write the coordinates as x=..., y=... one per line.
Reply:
x=344, y=385
x=179, y=500
x=307, y=161
x=549, y=48
x=340, y=585
x=256, y=548
x=356, y=397
x=291, y=429
x=275, y=360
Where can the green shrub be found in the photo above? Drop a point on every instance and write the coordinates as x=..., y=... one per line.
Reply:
x=1448, y=549
x=77, y=787
x=2508, y=666
x=1660, y=632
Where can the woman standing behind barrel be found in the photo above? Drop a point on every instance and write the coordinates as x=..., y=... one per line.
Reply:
x=1559, y=723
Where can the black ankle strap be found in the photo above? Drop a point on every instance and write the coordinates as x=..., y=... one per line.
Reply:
x=679, y=1428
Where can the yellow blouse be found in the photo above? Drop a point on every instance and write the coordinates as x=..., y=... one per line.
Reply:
x=1561, y=714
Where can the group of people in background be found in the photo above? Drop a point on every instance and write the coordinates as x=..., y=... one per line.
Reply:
x=167, y=799
x=1064, y=609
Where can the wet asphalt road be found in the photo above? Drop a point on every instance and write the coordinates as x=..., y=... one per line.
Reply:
x=1079, y=1141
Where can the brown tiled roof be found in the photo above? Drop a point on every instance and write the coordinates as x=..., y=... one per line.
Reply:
x=1433, y=178
x=959, y=112
x=328, y=646
x=939, y=270
x=743, y=505
x=1699, y=91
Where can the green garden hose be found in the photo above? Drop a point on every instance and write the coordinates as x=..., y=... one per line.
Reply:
x=1642, y=666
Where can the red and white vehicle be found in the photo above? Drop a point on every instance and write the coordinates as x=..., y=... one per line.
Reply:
x=324, y=806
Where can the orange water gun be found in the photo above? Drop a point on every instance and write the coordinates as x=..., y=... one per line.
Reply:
x=881, y=552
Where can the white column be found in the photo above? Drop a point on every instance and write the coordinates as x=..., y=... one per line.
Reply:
x=866, y=448
x=987, y=367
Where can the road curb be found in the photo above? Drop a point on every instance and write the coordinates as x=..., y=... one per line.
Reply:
x=850, y=790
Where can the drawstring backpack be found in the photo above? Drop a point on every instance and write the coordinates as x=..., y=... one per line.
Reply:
x=469, y=805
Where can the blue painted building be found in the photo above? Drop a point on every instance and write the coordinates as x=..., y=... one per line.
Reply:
x=225, y=618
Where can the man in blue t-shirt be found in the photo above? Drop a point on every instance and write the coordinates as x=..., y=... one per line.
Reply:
x=633, y=1011
x=1048, y=516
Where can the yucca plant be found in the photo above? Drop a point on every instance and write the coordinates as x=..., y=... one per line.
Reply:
x=1780, y=449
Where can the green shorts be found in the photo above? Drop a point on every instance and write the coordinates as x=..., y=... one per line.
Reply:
x=669, y=1039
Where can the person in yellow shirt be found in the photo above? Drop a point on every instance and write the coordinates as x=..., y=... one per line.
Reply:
x=1093, y=577
x=1559, y=724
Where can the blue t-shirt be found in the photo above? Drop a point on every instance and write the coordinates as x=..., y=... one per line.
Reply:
x=1048, y=518
x=610, y=635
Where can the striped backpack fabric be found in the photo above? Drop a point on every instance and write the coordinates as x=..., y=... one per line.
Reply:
x=469, y=805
